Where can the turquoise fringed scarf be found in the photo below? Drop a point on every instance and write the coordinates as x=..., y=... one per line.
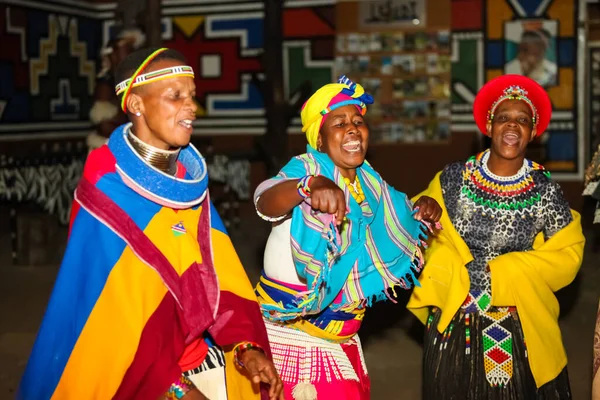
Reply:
x=377, y=248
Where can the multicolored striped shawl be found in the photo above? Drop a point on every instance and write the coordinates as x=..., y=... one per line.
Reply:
x=140, y=281
x=377, y=248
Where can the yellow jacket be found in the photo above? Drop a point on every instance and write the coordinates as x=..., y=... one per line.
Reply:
x=526, y=280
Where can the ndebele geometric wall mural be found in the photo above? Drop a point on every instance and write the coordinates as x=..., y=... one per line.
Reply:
x=537, y=38
x=50, y=52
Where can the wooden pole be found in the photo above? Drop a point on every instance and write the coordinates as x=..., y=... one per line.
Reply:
x=276, y=105
x=153, y=23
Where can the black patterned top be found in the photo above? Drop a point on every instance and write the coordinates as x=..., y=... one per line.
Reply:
x=496, y=215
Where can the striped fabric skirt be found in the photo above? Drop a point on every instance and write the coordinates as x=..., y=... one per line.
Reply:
x=312, y=368
x=209, y=377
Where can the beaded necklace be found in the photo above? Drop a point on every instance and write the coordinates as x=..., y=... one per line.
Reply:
x=499, y=195
x=355, y=189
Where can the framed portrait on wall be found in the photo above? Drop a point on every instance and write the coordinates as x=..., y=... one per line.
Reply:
x=531, y=50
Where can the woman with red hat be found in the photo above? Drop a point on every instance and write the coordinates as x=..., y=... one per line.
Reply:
x=509, y=242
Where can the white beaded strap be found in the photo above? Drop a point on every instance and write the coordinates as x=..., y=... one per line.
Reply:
x=265, y=217
x=153, y=76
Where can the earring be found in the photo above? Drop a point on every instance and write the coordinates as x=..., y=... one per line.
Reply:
x=138, y=114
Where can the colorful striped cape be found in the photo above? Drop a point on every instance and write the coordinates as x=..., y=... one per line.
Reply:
x=138, y=282
x=377, y=248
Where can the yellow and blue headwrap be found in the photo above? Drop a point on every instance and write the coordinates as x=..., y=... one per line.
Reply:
x=327, y=99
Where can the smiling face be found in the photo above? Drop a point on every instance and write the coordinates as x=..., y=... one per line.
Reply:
x=167, y=109
x=511, y=129
x=344, y=136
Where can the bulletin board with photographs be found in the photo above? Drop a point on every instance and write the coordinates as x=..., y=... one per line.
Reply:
x=407, y=71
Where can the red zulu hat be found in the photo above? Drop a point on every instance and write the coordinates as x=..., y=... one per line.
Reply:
x=512, y=87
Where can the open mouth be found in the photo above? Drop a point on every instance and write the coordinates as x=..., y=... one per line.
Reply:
x=510, y=139
x=186, y=123
x=352, y=146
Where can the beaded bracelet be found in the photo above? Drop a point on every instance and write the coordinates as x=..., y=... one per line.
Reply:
x=304, y=186
x=180, y=388
x=242, y=348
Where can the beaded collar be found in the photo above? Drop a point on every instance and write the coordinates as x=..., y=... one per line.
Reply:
x=154, y=184
x=490, y=193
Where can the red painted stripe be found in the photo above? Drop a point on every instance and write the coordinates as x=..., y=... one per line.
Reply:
x=296, y=23
x=155, y=365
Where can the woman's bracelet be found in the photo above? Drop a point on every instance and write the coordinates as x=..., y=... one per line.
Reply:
x=303, y=186
x=241, y=348
x=180, y=388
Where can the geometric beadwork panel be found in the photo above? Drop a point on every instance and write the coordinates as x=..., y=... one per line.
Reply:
x=535, y=38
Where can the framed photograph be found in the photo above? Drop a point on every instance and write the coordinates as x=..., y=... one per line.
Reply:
x=443, y=40
x=421, y=40
x=340, y=43
x=372, y=86
x=398, y=41
x=353, y=43
x=408, y=88
x=387, y=42
x=420, y=133
x=375, y=42
x=432, y=63
x=420, y=62
x=404, y=64
x=531, y=50
x=374, y=67
x=398, y=85
x=416, y=109
x=444, y=64
x=421, y=86
x=441, y=109
x=387, y=68
x=409, y=41
x=443, y=130
x=438, y=87
x=363, y=64
x=364, y=43
x=347, y=65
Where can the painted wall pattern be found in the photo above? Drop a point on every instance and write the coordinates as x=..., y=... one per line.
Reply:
x=50, y=53
x=486, y=42
x=47, y=68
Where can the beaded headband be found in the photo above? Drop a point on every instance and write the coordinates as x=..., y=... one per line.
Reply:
x=513, y=93
x=138, y=79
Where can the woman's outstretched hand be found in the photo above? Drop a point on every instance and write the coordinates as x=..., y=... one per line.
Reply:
x=428, y=210
x=327, y=197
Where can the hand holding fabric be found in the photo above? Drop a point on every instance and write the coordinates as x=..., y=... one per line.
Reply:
x=428, y=210
x=261, y=369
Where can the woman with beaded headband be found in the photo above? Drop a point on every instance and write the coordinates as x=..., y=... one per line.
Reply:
x=150, y=280
x=342, y=239
x=509, y=242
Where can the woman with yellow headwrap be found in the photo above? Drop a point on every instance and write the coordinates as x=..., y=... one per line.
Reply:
x=342, y=239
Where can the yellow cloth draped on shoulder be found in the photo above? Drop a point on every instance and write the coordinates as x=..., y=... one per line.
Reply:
x=526, y=280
